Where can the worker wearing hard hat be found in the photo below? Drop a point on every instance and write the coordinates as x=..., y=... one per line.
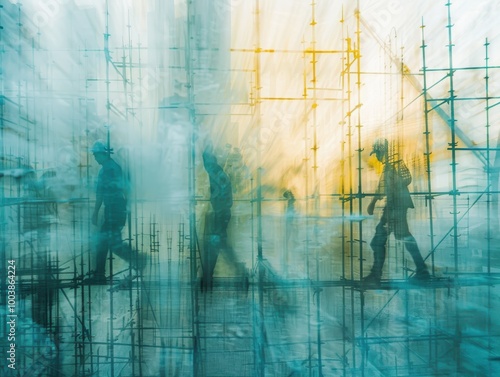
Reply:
x=111, y=192
x=393, y=186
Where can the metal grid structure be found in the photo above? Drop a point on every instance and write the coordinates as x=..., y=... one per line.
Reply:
x=289, y=300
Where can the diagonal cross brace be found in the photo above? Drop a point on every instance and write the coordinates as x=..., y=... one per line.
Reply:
x=404, y=69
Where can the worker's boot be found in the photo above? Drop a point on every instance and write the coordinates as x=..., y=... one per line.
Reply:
x=422, y=274
x=373, y=277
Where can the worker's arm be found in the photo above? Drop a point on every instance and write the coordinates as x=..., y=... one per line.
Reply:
x=379, y=194
x=371, y=206
x=98, y=199
x=97, y=207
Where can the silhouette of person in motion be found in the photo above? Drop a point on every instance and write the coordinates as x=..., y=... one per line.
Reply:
x=393, y=185
x=110, y=192
x=221, y=199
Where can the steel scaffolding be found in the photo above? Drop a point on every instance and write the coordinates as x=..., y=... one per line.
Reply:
x=288, y=297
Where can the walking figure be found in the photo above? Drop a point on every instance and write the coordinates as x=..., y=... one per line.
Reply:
x=110, y=191
x=221, y=199
x=393, y=185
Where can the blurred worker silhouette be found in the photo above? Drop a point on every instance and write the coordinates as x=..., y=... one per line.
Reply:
x=290, y=228
x=110, y=192
x=221, y=199
x=39, y=212
x=40, y=207
x=393, y=185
